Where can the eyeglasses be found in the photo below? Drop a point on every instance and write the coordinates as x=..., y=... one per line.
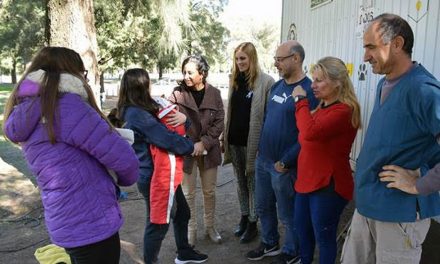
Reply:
x=280, y=59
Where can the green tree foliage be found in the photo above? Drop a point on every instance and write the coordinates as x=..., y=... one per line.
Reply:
x=21, y=32
x=264, y=36
x=149, y=33
x=115, y=40
x=207, y=35
x=156, y=34
x=146, y=33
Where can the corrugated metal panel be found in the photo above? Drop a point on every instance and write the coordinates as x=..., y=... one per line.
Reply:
x=331, y=30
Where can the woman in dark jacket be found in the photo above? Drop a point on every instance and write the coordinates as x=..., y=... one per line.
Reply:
x=203, y=105
x=138, y=110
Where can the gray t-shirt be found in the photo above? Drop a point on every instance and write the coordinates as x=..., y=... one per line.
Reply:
x=429, y=183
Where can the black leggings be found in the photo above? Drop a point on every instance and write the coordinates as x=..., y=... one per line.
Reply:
x=107, y=251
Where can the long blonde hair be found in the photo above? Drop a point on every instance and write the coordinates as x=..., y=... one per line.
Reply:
x=254, y=68
x=335, y=70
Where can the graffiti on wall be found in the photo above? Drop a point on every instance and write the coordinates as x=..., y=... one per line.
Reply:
x=292, y=34
x=349, y=66
x=318, y=3
x=366, y=14
x=421, y=9
x=362, y=72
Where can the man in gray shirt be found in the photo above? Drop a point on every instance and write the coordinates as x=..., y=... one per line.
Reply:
x=410, y=181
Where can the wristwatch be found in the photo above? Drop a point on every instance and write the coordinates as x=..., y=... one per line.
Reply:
x=299, y=98
x=282, y=165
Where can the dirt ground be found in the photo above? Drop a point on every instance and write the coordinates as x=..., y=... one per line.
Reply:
x=22, y=227
x=22, y=233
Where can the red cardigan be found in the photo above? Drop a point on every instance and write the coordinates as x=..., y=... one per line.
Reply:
x=325, y=137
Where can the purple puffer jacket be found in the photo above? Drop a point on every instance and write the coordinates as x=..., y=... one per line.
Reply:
x=78, y=194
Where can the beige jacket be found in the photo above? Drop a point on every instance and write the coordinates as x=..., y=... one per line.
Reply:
x=258, y=106
x=207, y=123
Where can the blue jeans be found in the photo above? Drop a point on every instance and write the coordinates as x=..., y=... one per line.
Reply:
x=274, y=190
x=317, y=217
x=155, y=233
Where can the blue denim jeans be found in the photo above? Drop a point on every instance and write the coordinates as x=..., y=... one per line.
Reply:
x=274, y=190
x=155, y=233
x=317, y=217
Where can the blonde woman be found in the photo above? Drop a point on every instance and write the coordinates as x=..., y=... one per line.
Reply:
x=248, y=91
x=324, y=183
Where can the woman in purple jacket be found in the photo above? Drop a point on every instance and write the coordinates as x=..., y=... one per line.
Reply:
x=69, y=145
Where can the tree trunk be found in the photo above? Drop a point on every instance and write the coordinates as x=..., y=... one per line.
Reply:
x=160, y=69
x=72, y=24
x=189, y=50
x=102, y=88
x=14, y=71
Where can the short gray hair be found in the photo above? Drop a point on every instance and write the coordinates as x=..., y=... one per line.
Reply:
x=298, y=49
x=392, y=26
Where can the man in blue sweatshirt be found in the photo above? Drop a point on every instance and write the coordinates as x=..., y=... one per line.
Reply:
x=390, y=225
x=275, y=166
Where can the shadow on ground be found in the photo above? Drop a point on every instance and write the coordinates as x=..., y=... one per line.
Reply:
x=22, y=232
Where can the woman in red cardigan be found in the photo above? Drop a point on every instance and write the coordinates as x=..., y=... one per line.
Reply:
x=324, y=183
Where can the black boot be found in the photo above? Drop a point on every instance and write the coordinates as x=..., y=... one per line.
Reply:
x=250, y=233
x=241, y=228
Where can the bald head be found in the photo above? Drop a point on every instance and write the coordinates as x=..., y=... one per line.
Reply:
x=293, y=46
x=289, y=59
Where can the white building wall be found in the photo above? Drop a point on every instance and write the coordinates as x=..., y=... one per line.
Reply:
x=332, y=30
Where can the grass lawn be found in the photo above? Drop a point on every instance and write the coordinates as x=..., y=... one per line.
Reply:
x=6, y=87
x=5, y=90
x=9, y=152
